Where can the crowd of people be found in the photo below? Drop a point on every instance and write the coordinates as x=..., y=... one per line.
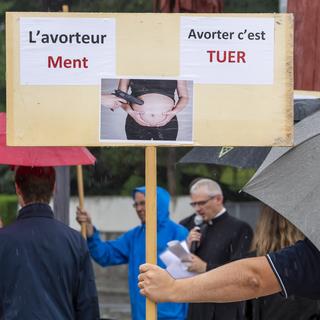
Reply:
x=46, y=271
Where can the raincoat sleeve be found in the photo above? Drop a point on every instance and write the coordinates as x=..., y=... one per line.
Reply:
x=112, y=252
x=86, y=298
x=297, y=269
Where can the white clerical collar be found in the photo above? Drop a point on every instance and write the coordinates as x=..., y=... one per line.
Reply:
x=220, y=213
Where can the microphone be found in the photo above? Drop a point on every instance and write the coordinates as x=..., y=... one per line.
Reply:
x=198, y=221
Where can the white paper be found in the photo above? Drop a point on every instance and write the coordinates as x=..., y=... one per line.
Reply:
x=60, y=51
x=241, y=50
x=175, y=258
x=179, y=249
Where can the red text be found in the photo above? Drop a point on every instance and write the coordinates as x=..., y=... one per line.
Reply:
x=60, y=62
x=227, y=56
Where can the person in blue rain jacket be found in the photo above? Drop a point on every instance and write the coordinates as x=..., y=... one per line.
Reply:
x=130, y=248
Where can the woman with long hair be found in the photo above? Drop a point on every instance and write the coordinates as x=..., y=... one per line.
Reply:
x=274, y=232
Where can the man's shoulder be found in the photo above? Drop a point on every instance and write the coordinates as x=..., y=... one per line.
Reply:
x=237, y=221
x=67, y=230
x=237, y=224
x=11, y=236
x=134, y=231
x=10, y=231
x=178, y=228
x=5, y=233
x=188, y=222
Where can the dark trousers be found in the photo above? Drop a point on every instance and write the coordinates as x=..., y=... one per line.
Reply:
x=135, y=131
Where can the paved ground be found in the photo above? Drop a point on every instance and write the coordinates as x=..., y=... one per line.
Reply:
x=112, y=285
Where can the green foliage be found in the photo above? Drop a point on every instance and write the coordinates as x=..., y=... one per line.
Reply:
x=6, y=180
x=119, y=170
x=114, y=172
x=8, y=208
x=236, y=178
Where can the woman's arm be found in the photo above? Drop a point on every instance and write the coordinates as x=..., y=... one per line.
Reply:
x=124, y=86
x=240, y=280
x=182, y=91
x=183, y=99
x=111, y=101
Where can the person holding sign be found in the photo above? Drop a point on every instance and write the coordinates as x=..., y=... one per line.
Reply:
x=156, y=117
x=292, y=270
x=130, y=249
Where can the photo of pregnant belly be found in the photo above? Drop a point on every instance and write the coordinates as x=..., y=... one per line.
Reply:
x=152, y=108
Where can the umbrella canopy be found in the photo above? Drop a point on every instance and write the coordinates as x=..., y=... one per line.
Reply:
x=246, y=157
x=239, y=157
x=289, y=179
x=41, y=156
x=305, y=107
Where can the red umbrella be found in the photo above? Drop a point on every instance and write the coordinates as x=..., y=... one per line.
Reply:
x=41, y=156
x=45, y=157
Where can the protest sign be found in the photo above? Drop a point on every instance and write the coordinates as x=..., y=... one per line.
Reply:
x=149, y=79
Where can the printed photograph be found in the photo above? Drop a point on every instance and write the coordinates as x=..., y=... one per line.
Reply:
x=146, y=109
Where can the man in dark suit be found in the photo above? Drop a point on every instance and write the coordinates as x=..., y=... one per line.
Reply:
x=45, y=267
x=222, y=238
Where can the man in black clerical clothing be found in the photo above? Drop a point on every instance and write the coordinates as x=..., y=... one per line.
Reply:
x=45, y=267
x=222, y=238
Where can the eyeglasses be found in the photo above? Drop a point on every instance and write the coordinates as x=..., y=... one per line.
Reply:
x=139, y=203
x=201, y=203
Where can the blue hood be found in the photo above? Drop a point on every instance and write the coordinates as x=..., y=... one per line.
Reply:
x=163, y=202
x=130, y=248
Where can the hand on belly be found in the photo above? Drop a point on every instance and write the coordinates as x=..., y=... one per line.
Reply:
x=154, y=108
x=152, y=119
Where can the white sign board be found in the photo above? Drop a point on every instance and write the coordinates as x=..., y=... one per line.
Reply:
x=66, y=51
x=149, y=79
x=227, y=50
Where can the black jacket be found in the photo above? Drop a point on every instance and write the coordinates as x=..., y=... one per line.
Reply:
x=45, y=270
x=224, y=239
x=277, y=307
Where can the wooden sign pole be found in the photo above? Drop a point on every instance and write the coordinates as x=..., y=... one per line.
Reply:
x=151, y=218
x=65, y=8
x=81, y=198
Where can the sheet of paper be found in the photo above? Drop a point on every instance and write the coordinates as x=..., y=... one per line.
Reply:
x=172, y=257
x=180, y=249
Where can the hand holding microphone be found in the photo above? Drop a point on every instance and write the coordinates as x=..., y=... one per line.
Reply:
x=195, y=234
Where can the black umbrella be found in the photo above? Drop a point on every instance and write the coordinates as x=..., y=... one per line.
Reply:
x=240, y=157
x=245, y=157
x=304, y=108
x=289, y=179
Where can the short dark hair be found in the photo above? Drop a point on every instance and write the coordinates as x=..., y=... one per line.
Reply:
x=35, y=183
